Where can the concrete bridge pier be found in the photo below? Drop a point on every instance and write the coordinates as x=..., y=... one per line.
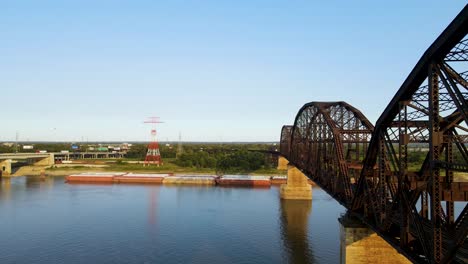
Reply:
x=359, y=244
x=297, y=186
x=282, y=163
x=5, y=167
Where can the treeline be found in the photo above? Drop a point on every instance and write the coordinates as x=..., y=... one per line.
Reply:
x=213, y=149
x=49, y=147
x=244, y=161
x=232, y=162
x=198, y=159
x=224, y=158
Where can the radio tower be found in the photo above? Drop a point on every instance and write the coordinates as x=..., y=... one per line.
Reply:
x=153, y=156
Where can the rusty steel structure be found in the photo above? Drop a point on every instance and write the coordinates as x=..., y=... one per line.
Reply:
x=419, y=208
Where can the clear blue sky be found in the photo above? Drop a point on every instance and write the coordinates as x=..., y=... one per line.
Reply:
x=213, y=70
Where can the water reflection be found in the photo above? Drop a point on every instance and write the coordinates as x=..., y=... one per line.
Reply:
x=34, y=182
x=294, y=223
x=152, y=207
x=5, y=188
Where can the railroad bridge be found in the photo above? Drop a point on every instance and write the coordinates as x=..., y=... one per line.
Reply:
x=421, y=209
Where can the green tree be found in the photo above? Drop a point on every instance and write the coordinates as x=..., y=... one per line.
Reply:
x=137, y=151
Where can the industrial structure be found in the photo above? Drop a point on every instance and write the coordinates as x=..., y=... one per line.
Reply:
x=153, y=155
x=422, y=211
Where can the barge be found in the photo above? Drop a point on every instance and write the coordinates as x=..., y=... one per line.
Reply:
x=191, y=179
x=244, y=180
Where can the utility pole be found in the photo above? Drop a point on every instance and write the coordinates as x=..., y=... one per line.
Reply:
x=179, y=146
x=16, y=142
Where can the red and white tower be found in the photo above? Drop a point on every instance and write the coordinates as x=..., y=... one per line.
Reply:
x=153, y=156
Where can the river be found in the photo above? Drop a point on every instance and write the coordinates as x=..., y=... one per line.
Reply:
x=54, y=222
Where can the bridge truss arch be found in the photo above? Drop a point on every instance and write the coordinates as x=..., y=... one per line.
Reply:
x=327, y=142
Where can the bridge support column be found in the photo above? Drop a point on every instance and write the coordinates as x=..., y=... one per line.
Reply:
x=359, y=244
x=5, y=167
x=297, y=186
x=282, y=163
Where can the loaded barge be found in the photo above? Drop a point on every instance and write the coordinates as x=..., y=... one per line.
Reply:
x=170, y=178
x=244, y=180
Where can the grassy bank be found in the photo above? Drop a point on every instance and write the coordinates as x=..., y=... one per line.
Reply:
x=124, y=166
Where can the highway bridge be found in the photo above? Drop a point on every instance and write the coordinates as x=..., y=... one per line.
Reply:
x=48, y=159
x=38, y=159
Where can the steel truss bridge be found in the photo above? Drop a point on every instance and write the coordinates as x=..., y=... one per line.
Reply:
x=419, y=208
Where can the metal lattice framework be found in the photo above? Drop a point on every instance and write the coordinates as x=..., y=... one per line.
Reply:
x=285, y=142
x=328, y=141
x=420, y=209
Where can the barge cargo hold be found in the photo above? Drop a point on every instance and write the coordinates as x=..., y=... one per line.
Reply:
x=115, y=177
x=104, y=177
x=141, y=178
x=244, y=180
x=188, y=179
